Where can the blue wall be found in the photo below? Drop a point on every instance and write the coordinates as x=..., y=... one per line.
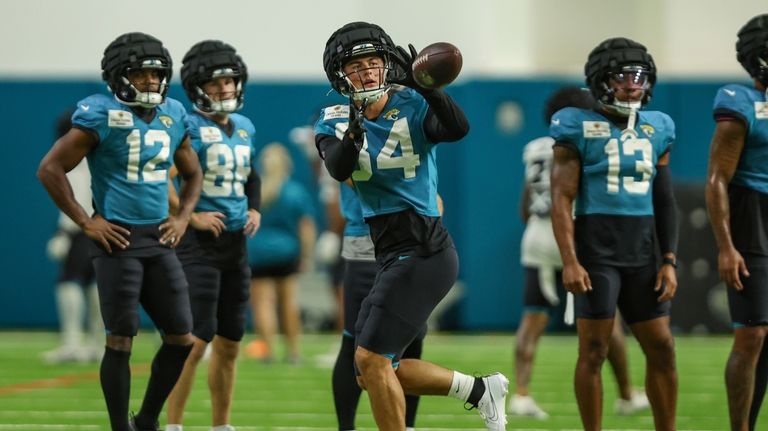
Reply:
x=480, y=180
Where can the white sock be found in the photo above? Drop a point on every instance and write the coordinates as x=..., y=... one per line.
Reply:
x=174, y=427
x=71, y=305
x=410, y=429
x=226, y=427
x=461, y=386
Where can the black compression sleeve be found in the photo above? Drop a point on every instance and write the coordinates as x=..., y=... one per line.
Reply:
x=445, y=121
x=665, y=211
x=340, y=155
x=253, y=190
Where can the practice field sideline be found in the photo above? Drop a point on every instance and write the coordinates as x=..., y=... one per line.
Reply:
x=39, y=397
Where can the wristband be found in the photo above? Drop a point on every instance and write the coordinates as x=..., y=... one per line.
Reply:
x=669, y=261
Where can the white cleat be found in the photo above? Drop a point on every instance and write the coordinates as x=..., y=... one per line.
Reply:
x=638, y=402
x=524, y=405
x=491, y=406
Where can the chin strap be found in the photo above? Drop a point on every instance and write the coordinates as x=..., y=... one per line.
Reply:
x=630, y=131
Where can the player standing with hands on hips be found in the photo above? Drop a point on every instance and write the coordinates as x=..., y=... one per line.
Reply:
x=129, y=140
x=615, y=160
x=385, y=141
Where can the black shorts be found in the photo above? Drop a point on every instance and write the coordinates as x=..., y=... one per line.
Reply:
x=336, y=271
x=78, y=265
x=629, y=288
x=359, y=276
x=406, y=290
x=146, y=273
x=536, y=296
x=219, y=280
x=276, y=271
x=749, y=307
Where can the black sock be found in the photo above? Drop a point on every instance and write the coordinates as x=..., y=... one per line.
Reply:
x=115, y=376
x=761, y=379
x=166, y=369
x=346, y=392
x=413, y=351
x=478, y=389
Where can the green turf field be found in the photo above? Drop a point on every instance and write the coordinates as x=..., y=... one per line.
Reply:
x=39, y=397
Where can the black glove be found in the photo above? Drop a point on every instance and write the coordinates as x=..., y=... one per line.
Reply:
x=355, y=130
x=404, y=59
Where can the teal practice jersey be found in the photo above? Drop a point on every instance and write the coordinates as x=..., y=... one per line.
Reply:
x=277, y=242
x=397, y=167
x=226, y=162
x=750, y=106
x=352, y=211
x=617, y=168
x=129, y=166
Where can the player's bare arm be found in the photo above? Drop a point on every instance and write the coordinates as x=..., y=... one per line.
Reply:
x=727, y=145
x=666, y=227
x=566, y=171
x=65, y=154
x=187, y=163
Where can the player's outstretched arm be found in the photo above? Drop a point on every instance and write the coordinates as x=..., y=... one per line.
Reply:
x=564, y=180
x=445, y=121
x=724, y=154
x=187, y=163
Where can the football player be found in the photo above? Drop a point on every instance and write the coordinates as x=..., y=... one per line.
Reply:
x=736, y=188
x=385, y=141
x=613, y=161
x=213, y=251
x=543, y=276
x=359, y=276
x=129, y=139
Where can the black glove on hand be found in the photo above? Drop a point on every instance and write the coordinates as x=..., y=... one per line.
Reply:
x=355, y=130
x=404, y=59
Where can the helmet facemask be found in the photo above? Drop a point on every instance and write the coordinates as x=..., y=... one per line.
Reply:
x=204, y=102
x=357, y=40
x=130, y=95
x=630, y=83
x=124, y=67
x=365, y=82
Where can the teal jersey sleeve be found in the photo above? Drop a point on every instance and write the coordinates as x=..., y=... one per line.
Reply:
x=566, y=127
x=93, y=113
x=748, y=105
x=735, y=100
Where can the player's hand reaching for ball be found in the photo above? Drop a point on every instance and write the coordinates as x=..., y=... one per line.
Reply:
x=107, y=234
x=405, y=60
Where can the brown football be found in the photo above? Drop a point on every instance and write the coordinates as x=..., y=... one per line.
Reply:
x=437, y=65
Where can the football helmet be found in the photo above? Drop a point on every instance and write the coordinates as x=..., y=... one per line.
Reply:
x=752, y=48
x=132, y=51
x=353, y=40
x=620, y=63
x=206, y=61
